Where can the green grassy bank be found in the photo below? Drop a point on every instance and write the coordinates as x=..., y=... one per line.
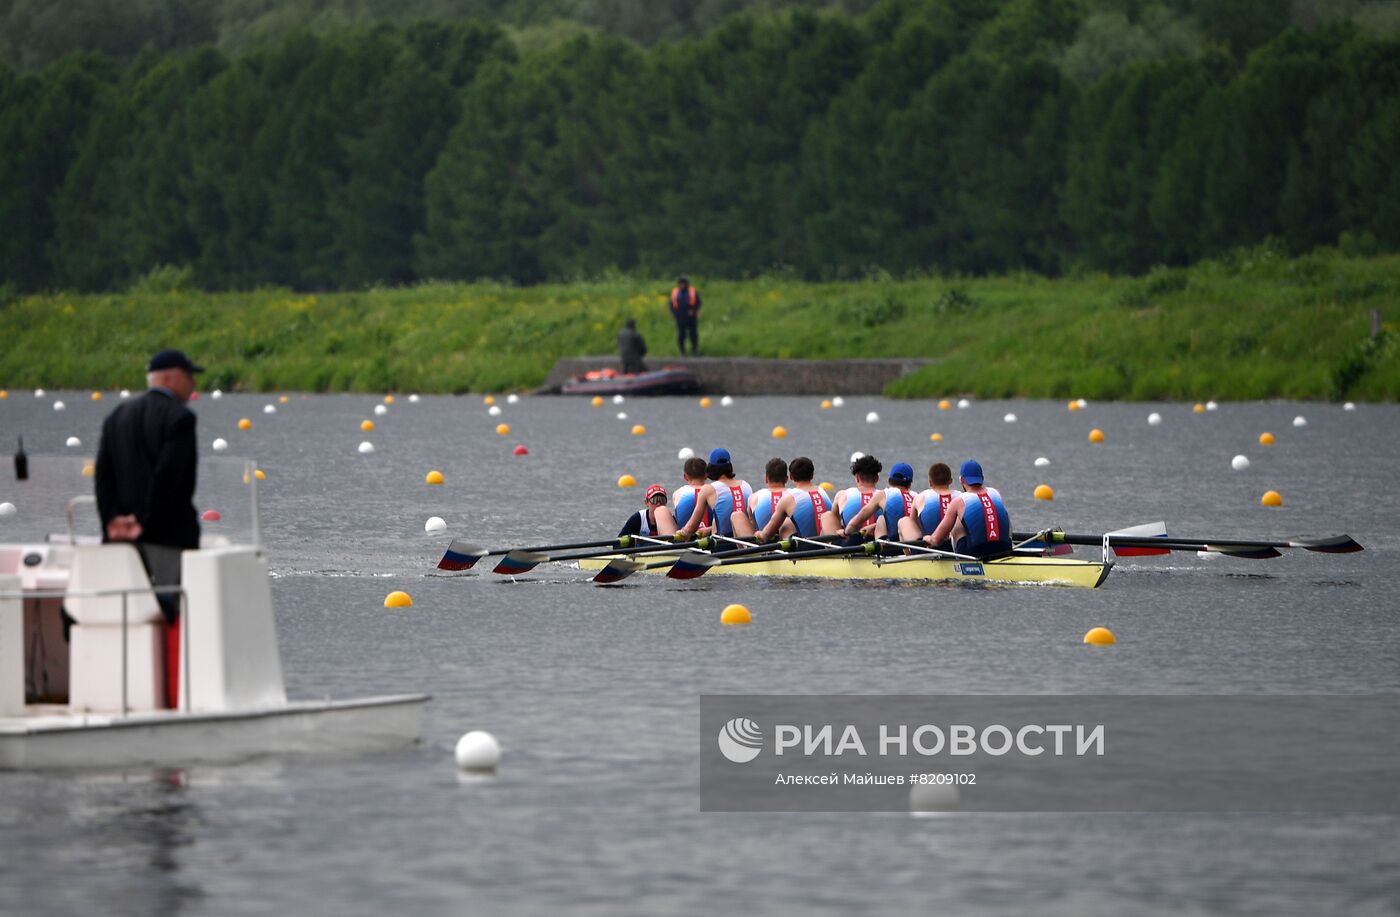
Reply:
x=1255, y=325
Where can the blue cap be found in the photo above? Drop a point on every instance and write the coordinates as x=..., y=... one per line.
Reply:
x=719, y=456
x=971, y=472
x=172, y=359
x=902, y=471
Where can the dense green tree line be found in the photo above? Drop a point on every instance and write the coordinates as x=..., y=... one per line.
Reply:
x=965, y=136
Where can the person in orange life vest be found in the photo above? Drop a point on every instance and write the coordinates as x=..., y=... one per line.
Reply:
x=685, y=309
x=931, y=504
x=654, y=518
x=763, y=502
x=804, y=509
x=895, y=504
x=725, y=497
x=977, y=518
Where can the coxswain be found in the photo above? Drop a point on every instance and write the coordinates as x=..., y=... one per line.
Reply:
x=976, y=519
x=683, y=502
x=931, y=504
x=763, y=502
x=894, y=506
x=851, y=501
x=654, y=518
x=725, y=496
x=804, y=506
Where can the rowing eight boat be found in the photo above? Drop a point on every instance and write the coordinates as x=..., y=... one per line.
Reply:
x=1064, y=571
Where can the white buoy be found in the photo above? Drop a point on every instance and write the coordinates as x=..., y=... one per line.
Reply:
x=414, y=399
x=59, y=405
x=1239, y=463
x=494, y=410
x=478, y=751
x=928, y=798
x=1082, y=403
x=685, y=454
x=855, y=456
x=380, y=410
x=7, y=509
x=726, y=401
x=366, y=447
x=1042, y=462
x=38, y=393
x=73, y=441
x=1009, y=418
x=1154, y=419
x=1212, y=406
x=1300, y=421
x=512, y=398
x=872, y=417
x=435, y=524
x=216, y=394
x=220, y=444
x=964, y=404
x=618, y=399
x=621, y=415
x=1349, y=406
x=269, y=409
x=837, y=401
x=126, y=393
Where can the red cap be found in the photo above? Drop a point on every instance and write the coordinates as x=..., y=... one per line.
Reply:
x=652, y=491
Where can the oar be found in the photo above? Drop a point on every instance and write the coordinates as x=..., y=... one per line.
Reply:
x=690, y=564
x=867, y=547
x=1154, y=530
x=461, y=555
x=523, y=561
x=1258, y=550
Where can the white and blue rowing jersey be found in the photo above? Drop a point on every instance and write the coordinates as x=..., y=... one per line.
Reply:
x=762, y=503
x=935, y=506
x=807, y=509
x=855, y=502
x=985, y=518
x=684, y=505
x=728, y=499
x=899, y=503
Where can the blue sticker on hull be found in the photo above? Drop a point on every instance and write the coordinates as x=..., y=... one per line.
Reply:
x=971, y=569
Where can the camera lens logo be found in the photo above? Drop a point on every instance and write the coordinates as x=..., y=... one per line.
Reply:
x=740, y=740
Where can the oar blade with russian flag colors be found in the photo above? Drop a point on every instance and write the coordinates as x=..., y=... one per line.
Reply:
x=692, y=564
x=516, y=563
x=1146, y=530
x=616, y=571
x=1249, y=552
x=461, y=556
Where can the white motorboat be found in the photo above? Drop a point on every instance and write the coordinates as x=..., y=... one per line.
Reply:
x=90, y=692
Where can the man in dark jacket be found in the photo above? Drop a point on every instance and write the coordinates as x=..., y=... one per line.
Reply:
x=685, y=309
x=631, y=347
x=145, y=483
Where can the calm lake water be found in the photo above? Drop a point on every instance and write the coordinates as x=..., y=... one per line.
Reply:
x=593, y=692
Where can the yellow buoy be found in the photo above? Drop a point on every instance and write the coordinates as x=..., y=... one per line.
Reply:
x=705, y=402
x=89, y=469
x=388, y=399
x=638, y=430
x=597, y=401
x=1074, y=405
x=257, y=474
x=96, y=396
x=1100, y=636
x=502, y=429
x=735, y=614
x=1266, y=439
x=4, y=393
x=245, y=424
x=626, y=481
x=827, y=486
x=489, y=400
x=780, y=432
x=367, y=425
x=1044, y=492
x=945, y=405
x=935, y=437
x=284, y=399
x=433, y=477
x=826, y=404
x=1271, y=498
x=1096, y=435
x=398, y=599
x=1199, y=408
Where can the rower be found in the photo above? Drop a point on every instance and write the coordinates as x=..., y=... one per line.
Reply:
x=933, y=503
x=725, y=496
x=804, y=507
x=684, y=501
x=654, y=518
x=895, y=506
x=976, y=518
x=852, y=500
x=763, y=502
